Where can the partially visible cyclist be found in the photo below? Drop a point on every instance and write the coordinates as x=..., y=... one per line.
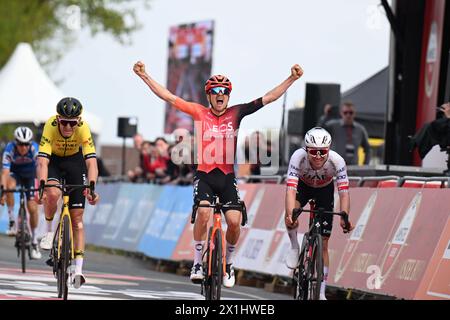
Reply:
x=19, y=167
x=216, y=129
x=67, y=150
x=310, y=176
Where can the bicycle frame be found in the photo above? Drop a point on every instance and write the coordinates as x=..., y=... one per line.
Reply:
x=216, y=227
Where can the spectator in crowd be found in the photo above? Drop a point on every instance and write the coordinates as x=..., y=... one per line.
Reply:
x=348, y=135
x=179, y=174
x=155, y=164
x=325, y=117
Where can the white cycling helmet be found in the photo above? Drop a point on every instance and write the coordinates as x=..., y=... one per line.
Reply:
x=317, y=138
x=23, y=134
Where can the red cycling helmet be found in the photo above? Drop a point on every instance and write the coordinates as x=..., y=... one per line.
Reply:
x=218, y=81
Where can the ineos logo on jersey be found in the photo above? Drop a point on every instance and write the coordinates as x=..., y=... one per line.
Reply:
x=222, y=128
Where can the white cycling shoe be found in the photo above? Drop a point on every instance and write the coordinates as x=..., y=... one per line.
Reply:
x=292, y=258
x=197, y=273
x=35, y=253
x=47, y=241
x=322, y=297
x=229, y=278
x=78, y=280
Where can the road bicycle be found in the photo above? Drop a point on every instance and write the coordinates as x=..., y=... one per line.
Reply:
x=62, y=252
x=308, y=274
x=215, y=253
x=23, y=234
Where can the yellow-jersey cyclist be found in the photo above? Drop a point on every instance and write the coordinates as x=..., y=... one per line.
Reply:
x=67, y=150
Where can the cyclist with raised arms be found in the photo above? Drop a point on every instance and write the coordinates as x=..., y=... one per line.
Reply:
x=67, y=149
x=216, y=137
x=310, y=176
x=19, y=167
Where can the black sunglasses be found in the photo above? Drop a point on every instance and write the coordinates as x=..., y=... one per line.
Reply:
x=23, y=143
x=218, y=90
x=71, y=123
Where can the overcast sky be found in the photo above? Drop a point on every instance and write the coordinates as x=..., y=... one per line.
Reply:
x=256, y=43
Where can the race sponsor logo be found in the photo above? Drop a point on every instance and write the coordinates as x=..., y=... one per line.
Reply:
x=400, y=237
x=355, y=237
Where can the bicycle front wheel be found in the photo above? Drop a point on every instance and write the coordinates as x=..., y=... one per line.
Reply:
x=64, y=259
x=315, y=270
x=22, y=237
x=215, y=275
x=300, y=274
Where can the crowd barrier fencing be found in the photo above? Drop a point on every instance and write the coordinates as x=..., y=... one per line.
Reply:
x=400, y=245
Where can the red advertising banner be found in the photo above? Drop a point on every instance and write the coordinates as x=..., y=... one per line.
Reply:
x=430, y=64
x=189, y=66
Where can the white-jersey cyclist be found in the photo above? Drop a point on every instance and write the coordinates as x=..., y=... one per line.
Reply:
x=310, y=176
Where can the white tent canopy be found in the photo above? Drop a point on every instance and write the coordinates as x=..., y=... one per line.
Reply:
x=27, y=94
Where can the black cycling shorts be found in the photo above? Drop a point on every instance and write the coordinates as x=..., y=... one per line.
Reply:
x=73, y=170
x=216, y=183
x=26, y=182
x=324, y=198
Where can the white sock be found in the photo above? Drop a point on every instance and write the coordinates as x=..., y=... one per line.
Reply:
x=198, y=251
x=230, y=253
x=49, y=225
x=11, y=213
x=78, y=264
x=33, y=236
x=292, y=233
x=324, y=281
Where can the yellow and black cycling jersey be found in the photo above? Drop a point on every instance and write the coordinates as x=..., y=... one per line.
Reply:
x=52, y=142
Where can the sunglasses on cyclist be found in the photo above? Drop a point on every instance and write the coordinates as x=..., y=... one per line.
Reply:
x=348, y=112
x=71, y=123
x=23, y=144
x=218, y=90
x=318, y=152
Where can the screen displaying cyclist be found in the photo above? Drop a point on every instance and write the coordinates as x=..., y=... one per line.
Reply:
x=19, y=168
x=67, y=150
x=216, y=137
x=310, y=176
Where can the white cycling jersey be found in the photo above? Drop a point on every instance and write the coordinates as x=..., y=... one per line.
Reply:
x=300, y=168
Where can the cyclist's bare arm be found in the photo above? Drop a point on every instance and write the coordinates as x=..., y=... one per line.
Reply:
x=159, y=90
x=4, y=178
x=92, y=170
x=42, y=168
x=344, y=204
x=290, y=205
x=278, y=91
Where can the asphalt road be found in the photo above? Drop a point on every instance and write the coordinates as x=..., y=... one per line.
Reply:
x=109, y=277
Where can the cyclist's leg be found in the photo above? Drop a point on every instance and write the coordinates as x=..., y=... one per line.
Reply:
x=76, y=173
x=325, y=199
x=203, y=194
x=230, y=195
x=52, y=195
x=303, y=195
x=11, y=184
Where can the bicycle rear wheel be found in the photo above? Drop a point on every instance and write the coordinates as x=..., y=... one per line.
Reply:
x=64, y=259
x=315, y=270
x=213, y=280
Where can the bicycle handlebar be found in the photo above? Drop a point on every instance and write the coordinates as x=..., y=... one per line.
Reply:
x=297, y=211
x=65, y=187
x=219, y=206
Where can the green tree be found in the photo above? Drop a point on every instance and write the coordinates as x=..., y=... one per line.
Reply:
x=48, y=25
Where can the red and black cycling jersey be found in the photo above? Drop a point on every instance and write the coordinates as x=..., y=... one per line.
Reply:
x=216, y=136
